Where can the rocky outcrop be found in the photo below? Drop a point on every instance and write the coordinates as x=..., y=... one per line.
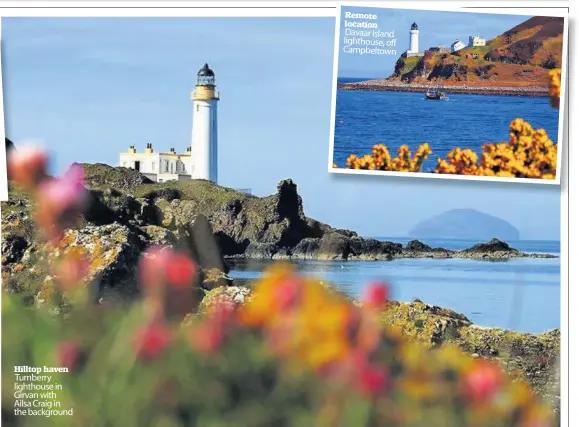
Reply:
x=229, y=295
x=529, y=356
x=208, y=221
x=100, y=175
x=494, y=245
x=533, y=357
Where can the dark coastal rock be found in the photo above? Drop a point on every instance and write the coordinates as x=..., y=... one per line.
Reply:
x=110, y=205
x=112, y=252
x=372, y=249
x=308, y=248
x=203, y=245
x=101, y=175
x=13, y=248
x=417, y=246
x=167, y=194
x=213, y=278
x=493, y=245
x=9, y=145
x=334, y=246
x=156, y=235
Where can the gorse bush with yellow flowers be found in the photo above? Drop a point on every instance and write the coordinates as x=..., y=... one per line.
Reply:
x=530, y=153
x=296, y=353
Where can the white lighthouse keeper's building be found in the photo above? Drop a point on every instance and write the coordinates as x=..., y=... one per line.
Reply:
x=204, y=135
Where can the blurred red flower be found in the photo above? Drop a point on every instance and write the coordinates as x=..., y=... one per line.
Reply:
x=207, y=337
x=372, y=380
x=179, y=270
x=160, y=265
x=152, y=340
x=71, y=271
x=482, y=381
x=376, y=295
x=69, y=353
x=60, y=201
x=27, y=167
x=286, y=293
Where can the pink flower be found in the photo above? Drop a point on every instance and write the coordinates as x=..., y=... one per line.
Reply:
x=160, y=265
x=69, y=354
x=286, y=293
x=222, y=313
x=483, y=381
x=151, y=341
x=60, y=201
x=376, y=295
x=371, y=380
x=152, y=265
x=180, y=270
x=207, y=337
x=27, y=167
x=71, y=271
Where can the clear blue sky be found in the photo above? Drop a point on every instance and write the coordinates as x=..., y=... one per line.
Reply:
x=435, y=28
x=91, y=87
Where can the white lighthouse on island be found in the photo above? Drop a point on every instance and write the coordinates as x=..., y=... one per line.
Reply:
x=413, y=48
x=414, y=38
x=204, y=134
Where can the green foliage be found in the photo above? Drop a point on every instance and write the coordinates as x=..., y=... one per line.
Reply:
x=239, y=386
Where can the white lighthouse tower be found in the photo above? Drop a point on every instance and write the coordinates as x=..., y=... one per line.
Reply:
x=204, y=135
x=413, y=48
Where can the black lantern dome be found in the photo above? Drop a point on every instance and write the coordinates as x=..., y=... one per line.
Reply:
x=414, y=26
x=206, y=76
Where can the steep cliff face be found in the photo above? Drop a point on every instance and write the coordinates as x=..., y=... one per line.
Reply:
x=521, y=56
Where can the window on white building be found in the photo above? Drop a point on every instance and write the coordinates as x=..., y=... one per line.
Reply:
x=171, y=167
x=166, y=165
x=153, y=166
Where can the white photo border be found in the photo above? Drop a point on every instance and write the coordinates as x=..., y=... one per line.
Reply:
x=506, y=10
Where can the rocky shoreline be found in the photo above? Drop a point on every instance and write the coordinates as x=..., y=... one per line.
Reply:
x=353, y=248
x=388, y=86
x=128, y=213
x=532, y=357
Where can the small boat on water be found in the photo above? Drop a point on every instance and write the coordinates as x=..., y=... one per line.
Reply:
x=436, y=94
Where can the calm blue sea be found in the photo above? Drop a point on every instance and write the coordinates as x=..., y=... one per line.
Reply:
x=365, y=118
x=519, y=294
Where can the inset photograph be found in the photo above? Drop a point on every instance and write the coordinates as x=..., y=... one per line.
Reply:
x=448, y=94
